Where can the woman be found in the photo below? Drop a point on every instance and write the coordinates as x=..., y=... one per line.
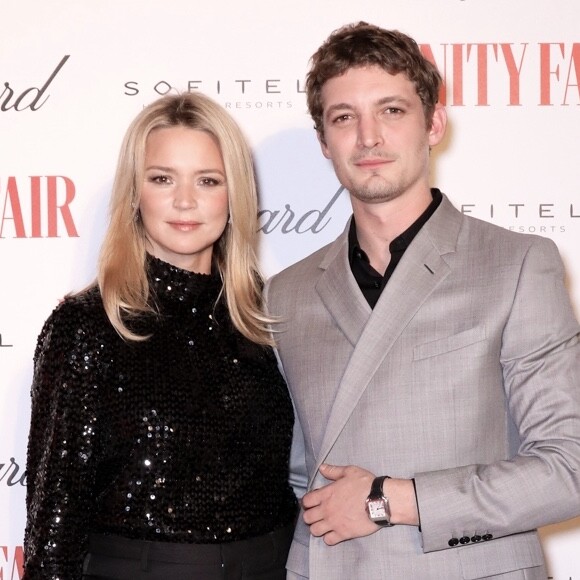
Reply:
x=161, y=427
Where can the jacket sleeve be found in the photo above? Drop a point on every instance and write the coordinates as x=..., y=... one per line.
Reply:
x=540, y=365
x=298, y=476
x=60, y=460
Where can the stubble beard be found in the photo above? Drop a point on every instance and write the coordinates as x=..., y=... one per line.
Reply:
x=377, y=190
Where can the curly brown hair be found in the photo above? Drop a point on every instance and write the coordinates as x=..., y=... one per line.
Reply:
x=363, y=44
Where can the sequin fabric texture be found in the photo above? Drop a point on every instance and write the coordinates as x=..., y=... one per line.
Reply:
x=183, y=438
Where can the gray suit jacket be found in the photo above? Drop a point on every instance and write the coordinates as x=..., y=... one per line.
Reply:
x=465, y=376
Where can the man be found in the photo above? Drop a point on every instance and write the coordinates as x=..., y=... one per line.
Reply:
x=422, y=345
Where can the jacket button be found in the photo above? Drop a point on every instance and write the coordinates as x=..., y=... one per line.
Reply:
x=453, y=542
x=486, y=537
x=464, y=540
x=476, y=538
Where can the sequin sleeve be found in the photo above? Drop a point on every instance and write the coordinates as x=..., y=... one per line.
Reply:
x=61, y=444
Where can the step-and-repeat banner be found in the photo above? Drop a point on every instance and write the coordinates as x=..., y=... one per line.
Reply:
x=74, y=73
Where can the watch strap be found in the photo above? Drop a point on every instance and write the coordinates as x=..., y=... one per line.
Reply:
x=377, y=487
x=376, y=495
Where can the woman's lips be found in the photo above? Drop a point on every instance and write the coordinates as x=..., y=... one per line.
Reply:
x=184, y=226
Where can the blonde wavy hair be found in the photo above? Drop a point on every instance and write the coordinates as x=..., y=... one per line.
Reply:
x=122, y=276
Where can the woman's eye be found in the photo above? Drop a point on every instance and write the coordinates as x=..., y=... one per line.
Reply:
x=162, y=179
x=209, y=181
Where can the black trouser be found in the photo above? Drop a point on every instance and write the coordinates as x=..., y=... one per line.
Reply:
x=115, y=558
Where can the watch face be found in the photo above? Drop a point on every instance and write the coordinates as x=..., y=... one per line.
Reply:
x=377, y=509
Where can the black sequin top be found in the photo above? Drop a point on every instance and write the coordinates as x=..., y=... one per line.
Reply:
x=182, y=438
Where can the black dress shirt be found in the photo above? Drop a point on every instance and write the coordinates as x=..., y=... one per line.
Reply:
x=368, y=279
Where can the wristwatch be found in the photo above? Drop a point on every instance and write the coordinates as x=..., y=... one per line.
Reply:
x=377, y=505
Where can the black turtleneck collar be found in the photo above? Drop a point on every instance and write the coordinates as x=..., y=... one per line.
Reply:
x=174, y=287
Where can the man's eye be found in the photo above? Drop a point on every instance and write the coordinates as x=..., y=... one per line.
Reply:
x=342, y=118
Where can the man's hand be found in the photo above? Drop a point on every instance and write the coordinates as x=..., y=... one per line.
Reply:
x=337, y=511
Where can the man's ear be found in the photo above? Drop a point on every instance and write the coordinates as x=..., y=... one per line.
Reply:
x=438, y=125
x=322, y=141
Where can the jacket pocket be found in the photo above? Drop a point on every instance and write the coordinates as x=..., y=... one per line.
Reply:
x=449, y=343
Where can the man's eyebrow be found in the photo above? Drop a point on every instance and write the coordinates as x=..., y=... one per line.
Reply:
x=388, y=100
x=339, y=107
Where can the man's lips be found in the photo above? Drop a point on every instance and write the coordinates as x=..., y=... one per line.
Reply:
x=372, y=163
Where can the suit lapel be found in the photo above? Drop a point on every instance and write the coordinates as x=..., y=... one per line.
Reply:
x=420, y=271
x=340, y=293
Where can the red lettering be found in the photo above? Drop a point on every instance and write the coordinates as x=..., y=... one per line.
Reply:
x=13, y=564
x=35, y=208
x=546, y=72
x=18, y=561
x=428, y=54
x=457, y=75
x=56, y=191
x=482, y=71
x=15, y=209
x=559, y=66
x=575, y=67
x=64, y=208
x=513, y=71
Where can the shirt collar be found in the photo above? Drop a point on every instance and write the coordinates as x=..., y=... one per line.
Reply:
x=403, y=240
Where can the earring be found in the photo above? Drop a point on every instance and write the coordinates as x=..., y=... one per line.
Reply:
x=136, y=212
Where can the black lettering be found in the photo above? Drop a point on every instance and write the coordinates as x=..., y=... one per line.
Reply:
x=271, y=86
x=516, y=206
x=318, y=226
x=35, y=103
x=133, y=87
x=243, y=83
x=12, y=472
x=4, y=106
x=165, y=88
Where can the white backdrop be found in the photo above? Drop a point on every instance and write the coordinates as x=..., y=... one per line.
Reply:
x=73, y=74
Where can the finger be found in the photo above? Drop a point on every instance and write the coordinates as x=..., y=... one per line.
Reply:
x=332, y=538
x=312, y=515
x=321, y=528
x=332, y=472
x=311, y=499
